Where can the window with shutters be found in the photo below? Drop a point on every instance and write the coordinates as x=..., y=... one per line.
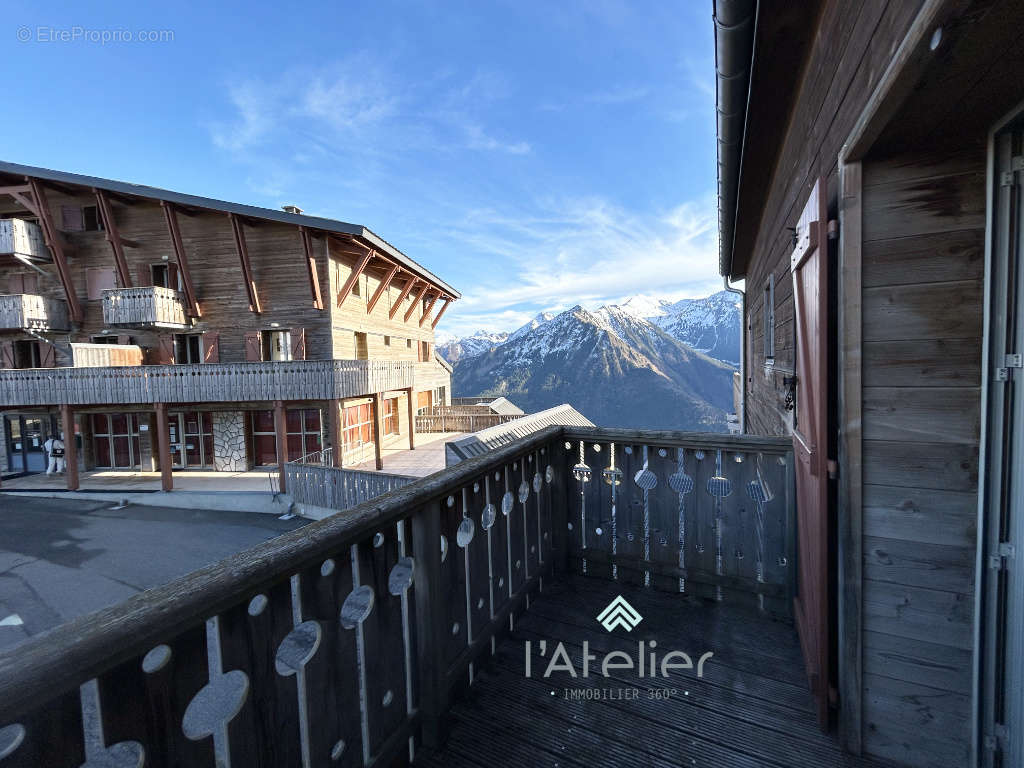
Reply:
x=276, y=345
x=390, y=416
x=27, y=354
x=91, y=219
x=188, y=348
x=768, y=315
x=362, y=351
x=23, y=283
x=165, y=276
x=358, y=429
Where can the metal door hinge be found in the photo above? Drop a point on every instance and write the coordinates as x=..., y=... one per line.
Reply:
x=1005, y=551
x=1006, y=178
x=1010, y=362
x=996, y=739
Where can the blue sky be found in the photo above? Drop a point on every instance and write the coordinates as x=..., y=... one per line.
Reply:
x=535, y=155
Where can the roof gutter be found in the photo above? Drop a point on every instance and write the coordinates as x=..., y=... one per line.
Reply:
x=735, y=21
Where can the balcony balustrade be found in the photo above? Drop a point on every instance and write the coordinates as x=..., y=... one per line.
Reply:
x=348, y=641
x=149, y=306
x=29, y=312
x=203, y=382
x=22, y=238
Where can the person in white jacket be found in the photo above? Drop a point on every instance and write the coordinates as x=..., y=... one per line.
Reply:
x=54, y=448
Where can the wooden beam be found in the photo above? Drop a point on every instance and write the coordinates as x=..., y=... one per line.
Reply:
x=170, y=213
x=440, y=312
x=412, y=307
x=409, y=283
x=378, y=458
x=346, y=289
x=113, y=237
x=163, y=447
x=15, y=189
x=280, y=442
x=311, y=270
x=67, y=419
x=384, y=285
x=26, y=202
x=411, y=406
x=53, y=242
x=243, y=258
x=429, y=309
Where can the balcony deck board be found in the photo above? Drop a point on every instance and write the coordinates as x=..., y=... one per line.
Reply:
x=752, y=707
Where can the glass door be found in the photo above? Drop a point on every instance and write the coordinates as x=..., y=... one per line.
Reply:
x=32, y=434
x=176, y=434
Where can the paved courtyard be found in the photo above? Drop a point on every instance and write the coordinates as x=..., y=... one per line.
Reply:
x=61, y=558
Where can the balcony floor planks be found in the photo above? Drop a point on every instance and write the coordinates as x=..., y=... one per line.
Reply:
x=752, y=707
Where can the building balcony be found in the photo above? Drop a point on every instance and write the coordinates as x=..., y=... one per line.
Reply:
x=29, y=312
x=104, y=355
x=203, y=383
x=146, y=307
x=22, y=239
x=420, y=626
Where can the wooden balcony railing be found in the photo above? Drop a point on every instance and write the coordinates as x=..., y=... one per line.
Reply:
x=27, y=311
x=460, y=419
x=22, y=238
x=341, y=643
x=337, y=487
x=205, y=382
x=146, y=306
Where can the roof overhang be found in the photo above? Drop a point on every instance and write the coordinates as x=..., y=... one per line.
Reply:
x=194, y=202
x=760, y=52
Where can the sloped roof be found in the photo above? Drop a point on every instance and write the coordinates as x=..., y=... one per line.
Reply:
x=251, y=211
x=505, y=407
x=485, y=440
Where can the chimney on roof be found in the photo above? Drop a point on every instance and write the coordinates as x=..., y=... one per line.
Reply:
x=291, y=209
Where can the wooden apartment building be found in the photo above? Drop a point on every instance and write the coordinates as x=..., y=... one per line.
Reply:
x=170, y=332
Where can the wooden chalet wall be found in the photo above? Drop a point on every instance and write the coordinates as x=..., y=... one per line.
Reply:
x=922, y=295
x=853, y=44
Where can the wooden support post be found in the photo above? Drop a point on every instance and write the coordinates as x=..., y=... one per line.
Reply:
x=163, y=444
x=53, y=242
x=170, y=213
x=335, y=422
x=411, y=405
x=431, y=623
x=429, y=309
x=113, y=237
x=440, y=312
x=280, y=442
x=311, y=270
x=379, y=459
x=67, y=420
x=346, y=289
x=243, y=258
x=384, y=285
x=410, y=283
x=412, y=307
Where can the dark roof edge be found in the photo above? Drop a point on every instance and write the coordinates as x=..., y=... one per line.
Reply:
x=251, y=211
x=735, y=22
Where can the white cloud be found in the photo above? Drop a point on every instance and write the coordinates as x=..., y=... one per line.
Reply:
x=587, y=252
x=477, y=139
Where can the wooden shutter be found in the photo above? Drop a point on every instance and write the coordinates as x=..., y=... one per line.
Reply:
x=253, y=347
x=47, y=355
x=71, y=218
x=6, y=354
x=99, y=280
x=15, y=284
x=165, y=349
x=298, y=336
x=143, y=275
x=124, y=339
x=211, y=347
x=809, y=267
x=172, y=275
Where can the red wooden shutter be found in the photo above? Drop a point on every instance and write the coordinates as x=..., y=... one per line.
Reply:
x=15, y=284
x=253, y=348
x=211, y=348
x=143, y=275
x=123, y=339
x=172, y=275
x=165, y=349
x=6, y=354
x=30, y=283
x=47, y=355
x=71, y=218
x=98, y=280
x=809, y=267
x=298, y=336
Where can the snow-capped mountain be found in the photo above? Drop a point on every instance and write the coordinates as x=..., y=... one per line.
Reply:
x=453, y=349
x=616, y=368
x=710, y=325
x=536, y=322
